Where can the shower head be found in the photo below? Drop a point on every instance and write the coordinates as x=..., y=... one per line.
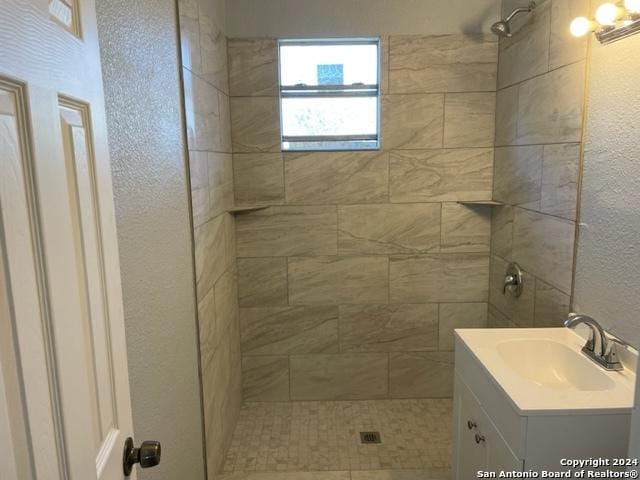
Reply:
x=502, y=28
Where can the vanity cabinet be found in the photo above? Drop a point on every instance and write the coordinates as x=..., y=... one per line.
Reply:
x=491, y=432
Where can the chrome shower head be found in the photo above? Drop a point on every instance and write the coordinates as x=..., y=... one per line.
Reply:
x=502, y=28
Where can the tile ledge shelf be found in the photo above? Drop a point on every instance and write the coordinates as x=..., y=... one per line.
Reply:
x=492, y=203
x=252, y=208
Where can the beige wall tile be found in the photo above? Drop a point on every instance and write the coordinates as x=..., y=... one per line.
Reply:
x=209, y=333
x=224, y=140
x=560, y=173
x=507, y=115
x=203, y=117
x=211, y=254
x=258, y=178
x=253, y=69
x=339, y=377
x=518, y=175
x=439, y=278
x=226, y=300
x=497, y=319
x=213, y=44
x=564, y=47
x=502, y=231
x=465, y=228
x=552, y=306
x=262, y=282
x=220, y=173
x=441, y=175
x=289, y=330
x=459, y=315
x=526, y=54
x=421, y=374
x=255, y=124
x=543, y=245
x=338, y=280
x=282, y=231
x=412, y=121
x=469, y=119
x=199, y=173
x=518, y=310
x=388, y=328
x=189, y=34
x=550, y=107
x=337, y=177
x=265, y=379
x=380, y=229
x=442, y=63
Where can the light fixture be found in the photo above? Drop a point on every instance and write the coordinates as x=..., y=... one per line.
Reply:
x=614, y=21
x=580, y=26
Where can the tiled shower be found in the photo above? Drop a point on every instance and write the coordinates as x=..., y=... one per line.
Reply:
x=334, y=280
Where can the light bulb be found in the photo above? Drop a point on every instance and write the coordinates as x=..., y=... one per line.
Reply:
x=632, y=5
x=607, y=14
x=580, y=26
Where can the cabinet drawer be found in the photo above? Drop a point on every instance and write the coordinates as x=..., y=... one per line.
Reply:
x=512, y=427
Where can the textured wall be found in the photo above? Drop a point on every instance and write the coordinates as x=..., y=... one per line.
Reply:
x=206, y=85
x=539, y=114
x=141, y=77
x=286, y=18
x=608, y=262
x=350, y=286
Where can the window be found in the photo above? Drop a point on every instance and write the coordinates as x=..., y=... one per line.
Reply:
x=329, y=94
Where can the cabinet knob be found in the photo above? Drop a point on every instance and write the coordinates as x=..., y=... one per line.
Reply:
x=479, y=439
x=471, y=424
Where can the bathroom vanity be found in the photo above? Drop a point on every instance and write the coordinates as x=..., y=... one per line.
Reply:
x=527, y=399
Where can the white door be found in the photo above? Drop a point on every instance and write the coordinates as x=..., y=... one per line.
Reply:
x=65, y=408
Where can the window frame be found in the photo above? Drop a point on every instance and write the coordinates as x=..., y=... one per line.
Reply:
x=331, y=91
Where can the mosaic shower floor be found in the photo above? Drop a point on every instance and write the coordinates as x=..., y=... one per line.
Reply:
x=324, y=438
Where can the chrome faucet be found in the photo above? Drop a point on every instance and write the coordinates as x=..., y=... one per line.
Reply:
x=599, y=347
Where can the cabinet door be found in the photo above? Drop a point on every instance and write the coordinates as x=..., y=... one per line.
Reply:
x=469, y=456
x=499, y=456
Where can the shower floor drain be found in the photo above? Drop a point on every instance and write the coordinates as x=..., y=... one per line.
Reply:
x=370, y=437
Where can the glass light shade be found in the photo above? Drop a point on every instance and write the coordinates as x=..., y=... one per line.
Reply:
x=607, y=14
x=580, y=26
x=632, y=5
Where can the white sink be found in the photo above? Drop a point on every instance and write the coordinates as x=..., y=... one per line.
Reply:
x=551, y=364
x=543, y=370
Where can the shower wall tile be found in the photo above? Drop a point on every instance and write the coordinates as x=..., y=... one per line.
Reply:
x=543, y=245
x=459, y=315
x=384, y=64
x=339, y=377
x=265, y=378
x=199, y=175
x=213, y=47
x=203, y=116
x=212, y=257
x=262, y=281
x=550, y=107
x=502, y=231
x=444, y=63
x=496, y=319
x=520, y=310
x=388, y=328
x=526, y=54
x=289, y=330
x=255, y=124
x=282, y=231
x=564, y=47
x=412, y=121
x=387, y=229
x=337, y=177
x=220, y=184
x=465, y=228
x=421, y=374
x=258, y=178
x=469, y=119
x=439, y=278
x=552, y=306
x=518, y=176
x=338, y=280
x=560, y=174
x=253, y=67
x=507, y=116
x=441, y=175
x=189, y=34
x=226, y=300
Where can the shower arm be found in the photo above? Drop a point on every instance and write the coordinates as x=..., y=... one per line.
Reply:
x=528, y=9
